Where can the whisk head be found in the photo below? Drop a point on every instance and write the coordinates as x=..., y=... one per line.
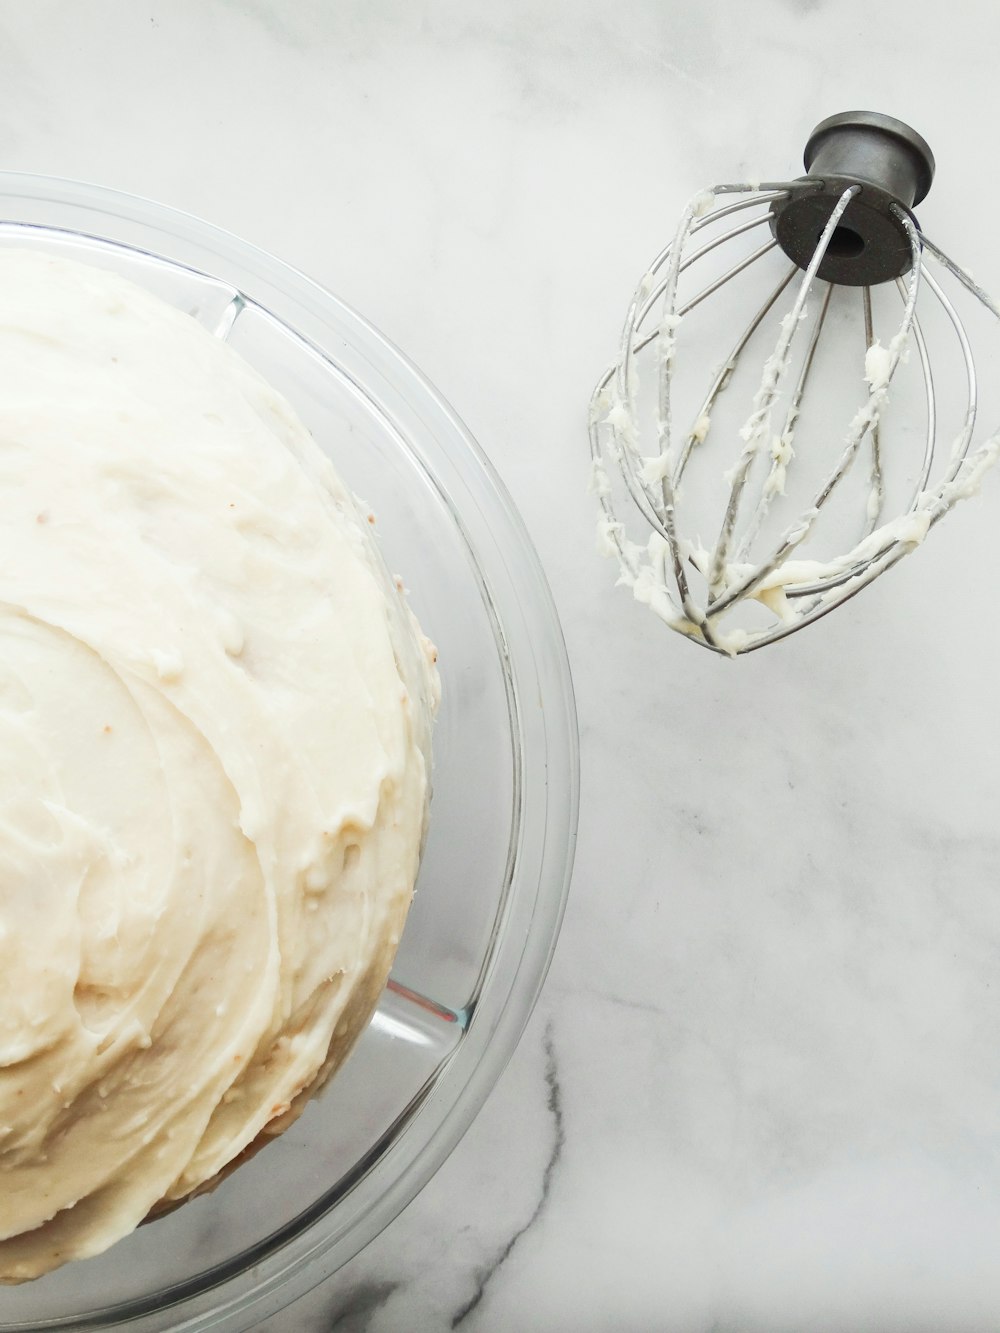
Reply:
x=756, y=503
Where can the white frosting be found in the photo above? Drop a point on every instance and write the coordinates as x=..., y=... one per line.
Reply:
x=214, y=747
x=878, y=365
x=699, y=430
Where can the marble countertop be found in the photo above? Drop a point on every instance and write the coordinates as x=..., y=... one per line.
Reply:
x=761, y=1090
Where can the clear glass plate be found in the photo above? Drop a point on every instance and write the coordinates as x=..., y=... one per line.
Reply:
x=496, y=868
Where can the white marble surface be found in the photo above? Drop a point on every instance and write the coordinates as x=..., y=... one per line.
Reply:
x=762, y=1088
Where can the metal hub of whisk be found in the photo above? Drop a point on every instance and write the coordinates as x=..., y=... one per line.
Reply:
x=772, y=553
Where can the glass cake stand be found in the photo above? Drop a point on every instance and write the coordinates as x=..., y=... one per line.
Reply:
x=496, y=868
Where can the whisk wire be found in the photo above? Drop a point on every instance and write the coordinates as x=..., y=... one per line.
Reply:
x=863, y=420
x=703, y=419
x=656, y=293
x=876, y=482
x=930, y=401
x=960, y=448
x=783, y=451
x=756, y=427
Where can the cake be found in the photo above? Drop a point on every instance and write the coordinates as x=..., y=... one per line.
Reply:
x=215, y=714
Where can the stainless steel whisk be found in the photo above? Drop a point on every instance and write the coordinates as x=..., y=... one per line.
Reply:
x=846, y=225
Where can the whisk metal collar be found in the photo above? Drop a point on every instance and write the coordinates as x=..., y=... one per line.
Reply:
x=893, y=167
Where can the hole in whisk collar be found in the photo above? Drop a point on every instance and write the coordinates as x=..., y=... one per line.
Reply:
x=845, y=243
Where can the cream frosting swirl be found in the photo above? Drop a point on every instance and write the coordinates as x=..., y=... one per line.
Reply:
x=214, y=761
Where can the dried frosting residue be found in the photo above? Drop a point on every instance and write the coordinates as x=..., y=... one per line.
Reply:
x=214, y=752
